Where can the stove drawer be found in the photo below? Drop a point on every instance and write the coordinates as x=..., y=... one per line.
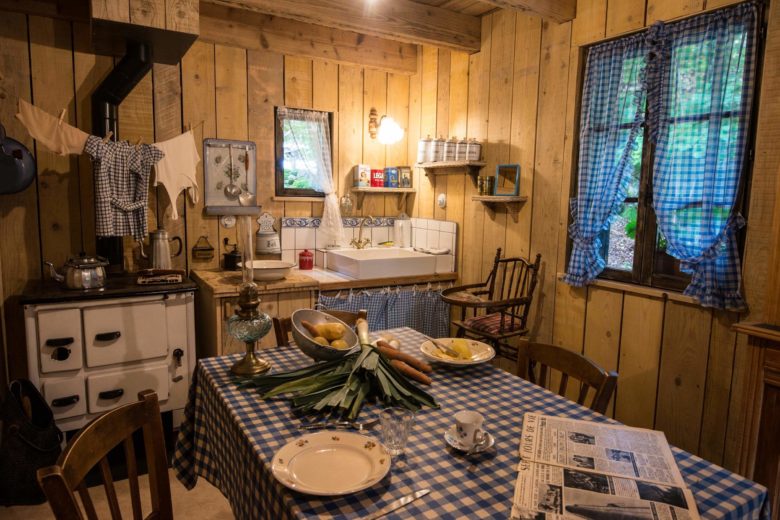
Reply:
x=122, y=333
x=66, y=396
x=114, y=388
x=59, y=340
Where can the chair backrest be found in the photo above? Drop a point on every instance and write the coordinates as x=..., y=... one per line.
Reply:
x=90, y=447
x=283, y=326
x=513, y=278
x=570, y=365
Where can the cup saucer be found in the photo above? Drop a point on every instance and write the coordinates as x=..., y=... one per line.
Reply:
x=452, y=439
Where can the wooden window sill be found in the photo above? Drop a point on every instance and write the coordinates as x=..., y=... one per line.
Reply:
x=297, y=199
x=643, y=290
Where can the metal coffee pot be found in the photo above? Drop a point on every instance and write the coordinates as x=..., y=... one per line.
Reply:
x=159, y=244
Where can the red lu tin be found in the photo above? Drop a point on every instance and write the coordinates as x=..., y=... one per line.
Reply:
x=306, y=260
x=377, y=178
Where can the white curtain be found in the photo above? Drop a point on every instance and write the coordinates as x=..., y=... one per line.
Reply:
x=318, y=161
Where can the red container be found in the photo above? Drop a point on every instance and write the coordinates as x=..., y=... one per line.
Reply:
x=306, y=260
x=377, y=178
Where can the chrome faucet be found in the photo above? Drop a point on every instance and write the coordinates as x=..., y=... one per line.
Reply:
x=360, y=242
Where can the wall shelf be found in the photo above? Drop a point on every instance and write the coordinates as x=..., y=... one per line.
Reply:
x=401, y=192
x=510, y=202
x=451, y=167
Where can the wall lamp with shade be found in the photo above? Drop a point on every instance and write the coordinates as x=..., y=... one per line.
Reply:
x=384, y=129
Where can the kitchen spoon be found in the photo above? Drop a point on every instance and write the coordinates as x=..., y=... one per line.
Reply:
x=231, y=190
x=245, y=199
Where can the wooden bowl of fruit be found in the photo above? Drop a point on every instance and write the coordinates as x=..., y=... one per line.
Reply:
x=321, y=336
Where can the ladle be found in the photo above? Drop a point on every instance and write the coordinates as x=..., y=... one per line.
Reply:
x=231, y=190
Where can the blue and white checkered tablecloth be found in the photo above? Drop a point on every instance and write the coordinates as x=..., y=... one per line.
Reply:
x=230, y=437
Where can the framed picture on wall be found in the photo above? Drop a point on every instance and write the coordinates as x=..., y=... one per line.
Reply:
x=230, y=184
x=507, y=180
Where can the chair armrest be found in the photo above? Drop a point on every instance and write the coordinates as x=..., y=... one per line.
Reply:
x=461, y=288
x=500, y=304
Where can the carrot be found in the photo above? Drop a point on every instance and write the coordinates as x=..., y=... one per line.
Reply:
x=310, y=327
x=411, y=372
x=392, y=353
x=383, y=343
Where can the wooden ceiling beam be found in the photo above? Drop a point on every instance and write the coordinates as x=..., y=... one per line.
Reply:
x=558, y=10
x=401, y=20
x=253, y=30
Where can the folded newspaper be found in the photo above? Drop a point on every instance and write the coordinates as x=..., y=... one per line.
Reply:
x=581, y=469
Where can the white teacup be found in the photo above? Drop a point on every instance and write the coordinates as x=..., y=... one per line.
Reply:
x=468, y=428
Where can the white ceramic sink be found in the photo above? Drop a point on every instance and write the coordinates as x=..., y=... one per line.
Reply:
x=380, y=263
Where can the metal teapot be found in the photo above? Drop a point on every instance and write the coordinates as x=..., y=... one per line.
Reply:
x=81, y=272
x=159, y=243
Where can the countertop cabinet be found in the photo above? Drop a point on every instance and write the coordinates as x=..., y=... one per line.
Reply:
x=89, y=352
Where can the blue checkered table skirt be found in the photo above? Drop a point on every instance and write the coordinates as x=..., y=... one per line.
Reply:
x=230, y=437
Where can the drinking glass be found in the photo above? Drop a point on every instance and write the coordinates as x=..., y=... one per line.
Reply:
x=396, y=425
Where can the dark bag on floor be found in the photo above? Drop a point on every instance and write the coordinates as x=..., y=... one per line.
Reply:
x=29, y=440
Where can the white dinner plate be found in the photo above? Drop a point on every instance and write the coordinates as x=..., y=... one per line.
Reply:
x=480, y=352
x=331, y=463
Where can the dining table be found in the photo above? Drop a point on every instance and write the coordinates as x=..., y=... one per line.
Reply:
x=230, y=436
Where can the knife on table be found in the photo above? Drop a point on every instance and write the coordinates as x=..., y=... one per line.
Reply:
x=398, y=503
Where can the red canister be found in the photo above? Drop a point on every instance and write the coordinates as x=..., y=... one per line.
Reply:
x=377, y=178
x=306, y=260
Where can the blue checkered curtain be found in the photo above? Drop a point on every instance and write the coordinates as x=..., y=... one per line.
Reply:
x=613, y=108
x=701, y=82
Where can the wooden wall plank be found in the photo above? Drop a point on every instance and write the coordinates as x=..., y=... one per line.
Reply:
x=590, y=23
x=398, y=108
x=167, y=124
x=671, y=9
x=19, y=211
x=265, y=90
x=458, y=120
x=502, y=57
x=325, y=74
x=640, y=347
x=625, y=16
x=51, y=61
x=425, y=188
x=442, y=124
x=474, y=212
x=569, y=318
x=198, y=104
x=681, y=381
x=150, y=13
x=525, y=93
x=374, y=96
x=351, y=121
x=551, y=123
x=602, y=329
x=182, y=16
x=414, y=136
x=115, y=10
x=89, y=70
x=718, y=387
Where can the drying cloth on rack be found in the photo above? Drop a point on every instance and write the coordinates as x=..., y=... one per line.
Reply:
x=58, y=136
x=121, y=186
x=177, y=170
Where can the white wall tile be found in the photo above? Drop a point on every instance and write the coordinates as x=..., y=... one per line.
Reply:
x=288, y=238
x=305, y=238
x=422, y=237
x=288, y=255
x=380, y=234
x=433, y=224
x=445, y=263
x=433, y=239
x=415, y=222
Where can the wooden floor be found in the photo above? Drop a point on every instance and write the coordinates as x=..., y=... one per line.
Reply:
x=203, y=502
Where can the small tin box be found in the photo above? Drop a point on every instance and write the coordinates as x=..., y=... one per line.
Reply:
x=404, y=177
x=391, y=177
x=377, y=178
x=362, y=176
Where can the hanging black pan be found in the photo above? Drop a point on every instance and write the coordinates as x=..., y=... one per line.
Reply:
x=17, y=166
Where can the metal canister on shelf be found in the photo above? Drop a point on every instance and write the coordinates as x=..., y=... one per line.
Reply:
x=481, y=185
x=430, y=149
x=450, y=149
x=423, y=145
x=473, y=150
x=438, y=149
x=461, y=150
x=490, y=184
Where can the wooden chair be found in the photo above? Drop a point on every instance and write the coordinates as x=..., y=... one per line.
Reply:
x=283, y=326
x=570, y=365
x=90, y=447
x=499, y=306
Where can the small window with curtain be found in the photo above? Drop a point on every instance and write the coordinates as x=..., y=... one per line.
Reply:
x=303, y=152
x=664, y=139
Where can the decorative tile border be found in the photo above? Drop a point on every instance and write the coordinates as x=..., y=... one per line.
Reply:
x=349, y=222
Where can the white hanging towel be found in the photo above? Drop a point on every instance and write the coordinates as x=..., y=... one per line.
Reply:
x=177, y=170
x=58, y=136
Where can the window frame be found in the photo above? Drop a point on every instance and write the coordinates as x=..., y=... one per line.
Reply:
x=279, y=189
x=643, y=271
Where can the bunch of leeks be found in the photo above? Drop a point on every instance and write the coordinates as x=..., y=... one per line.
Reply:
x=342, y=386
